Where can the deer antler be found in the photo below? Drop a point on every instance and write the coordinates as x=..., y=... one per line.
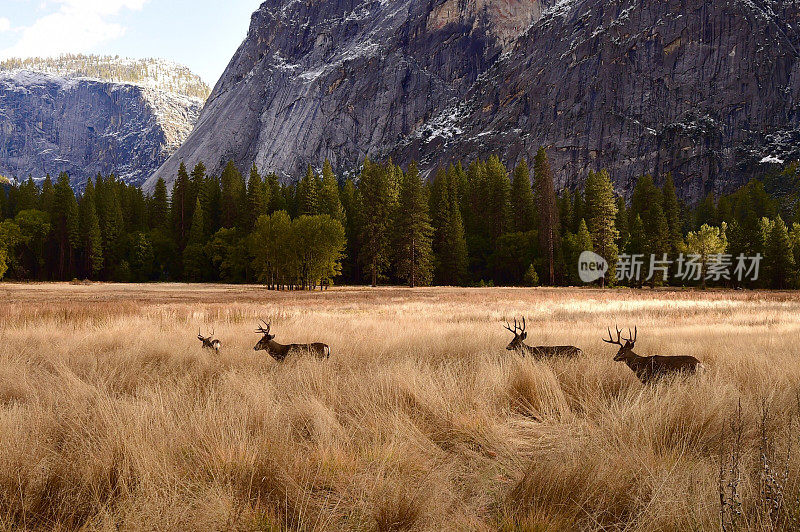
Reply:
x=632, y=337
x=524, y=325
x=611, y=338
x=516, y=330
x=261, y=328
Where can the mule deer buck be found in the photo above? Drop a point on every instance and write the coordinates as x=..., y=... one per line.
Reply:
x=209, y=342
x=279, y=352
x=649, y=369
x=540, y=352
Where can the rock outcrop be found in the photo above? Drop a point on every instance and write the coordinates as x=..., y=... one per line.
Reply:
x=705, y=90
x=51, y=123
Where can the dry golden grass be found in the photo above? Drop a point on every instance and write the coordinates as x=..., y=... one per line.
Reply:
x=112, y=417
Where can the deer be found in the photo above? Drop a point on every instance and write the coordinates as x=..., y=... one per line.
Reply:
x=541, y=352
x=279, y=351
x=209, y=342
x=651, y=369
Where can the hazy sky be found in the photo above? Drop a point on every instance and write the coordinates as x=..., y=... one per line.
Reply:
x=202, y=34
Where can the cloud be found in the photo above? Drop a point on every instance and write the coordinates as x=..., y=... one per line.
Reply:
x=5, y=24
x=73, y=26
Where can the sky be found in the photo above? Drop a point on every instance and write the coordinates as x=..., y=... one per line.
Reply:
x=201, y=34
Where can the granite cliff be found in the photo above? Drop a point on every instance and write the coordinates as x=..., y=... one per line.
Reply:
x=54, y=121
x=705, y=90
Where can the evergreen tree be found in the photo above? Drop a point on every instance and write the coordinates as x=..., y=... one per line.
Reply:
x=181, y=208
x=601, y=215
x=648, y=203
x=449, y=244
x=353, y=213
x=257, y=197
x=706, y=212
x=413, y=231
x=47, y=196
x=197, y=181
x=233, y=197
x=779, y=264
x=622, y=223
x=376, y=192
x=90, y=235
x=329, y=200
x=27, y=197
x=522, y=204
x=308, y=194
x=276, y=199
x=159, y=206
x=549, y=227
x=66, y=225
x=672, y=212
x=496, y=201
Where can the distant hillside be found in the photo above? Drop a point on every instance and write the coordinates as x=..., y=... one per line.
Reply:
x=86, y=115
x=152, y=73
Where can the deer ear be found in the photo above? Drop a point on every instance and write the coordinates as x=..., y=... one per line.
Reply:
x=524, y=336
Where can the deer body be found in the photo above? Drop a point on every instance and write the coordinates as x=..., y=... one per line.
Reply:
x=541, y=352
x=280, y=351
x=650, y=369
x=546, y=351
x=210, y=342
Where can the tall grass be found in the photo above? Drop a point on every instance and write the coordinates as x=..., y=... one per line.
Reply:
x=113, y=417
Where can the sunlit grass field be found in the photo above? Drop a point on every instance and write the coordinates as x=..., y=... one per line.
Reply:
x=112, y=417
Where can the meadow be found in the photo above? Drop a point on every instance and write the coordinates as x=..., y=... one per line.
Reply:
x=112, y=417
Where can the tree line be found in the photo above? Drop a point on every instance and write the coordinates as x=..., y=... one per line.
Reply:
x=470, y=225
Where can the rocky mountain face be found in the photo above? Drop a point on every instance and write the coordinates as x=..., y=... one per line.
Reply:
x=62, y=122
x=705, y=90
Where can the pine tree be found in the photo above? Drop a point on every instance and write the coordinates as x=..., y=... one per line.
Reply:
x=91, y=238
x=27, y=196
x=257, y=197
x=353, y=212
x=159, y=206
x=522, y=204
x=308, y=194
x=276, y=200
x=413, y=231
x=601, y=214
x=197, y=180
x=672, y=213
x=181, y=208
x=496, y=203
x=549, y=227
x=329, y=201
x=376, y=193
x=194, y=260
x=449, y=244
x=648, y=204
x=706, y=212
x=622, y=223
x=637, y=242
x=779, y=265
x=66, y=225
x=233, y=197
x=47, y=196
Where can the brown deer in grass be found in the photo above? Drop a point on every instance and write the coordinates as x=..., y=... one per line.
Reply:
x=650, y=369
x=279, y=351
x=209, y=342
x=540, y=352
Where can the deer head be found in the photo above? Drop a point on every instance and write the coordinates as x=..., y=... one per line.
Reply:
x=519, y=335
x=263, y=345
x=626, y=348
